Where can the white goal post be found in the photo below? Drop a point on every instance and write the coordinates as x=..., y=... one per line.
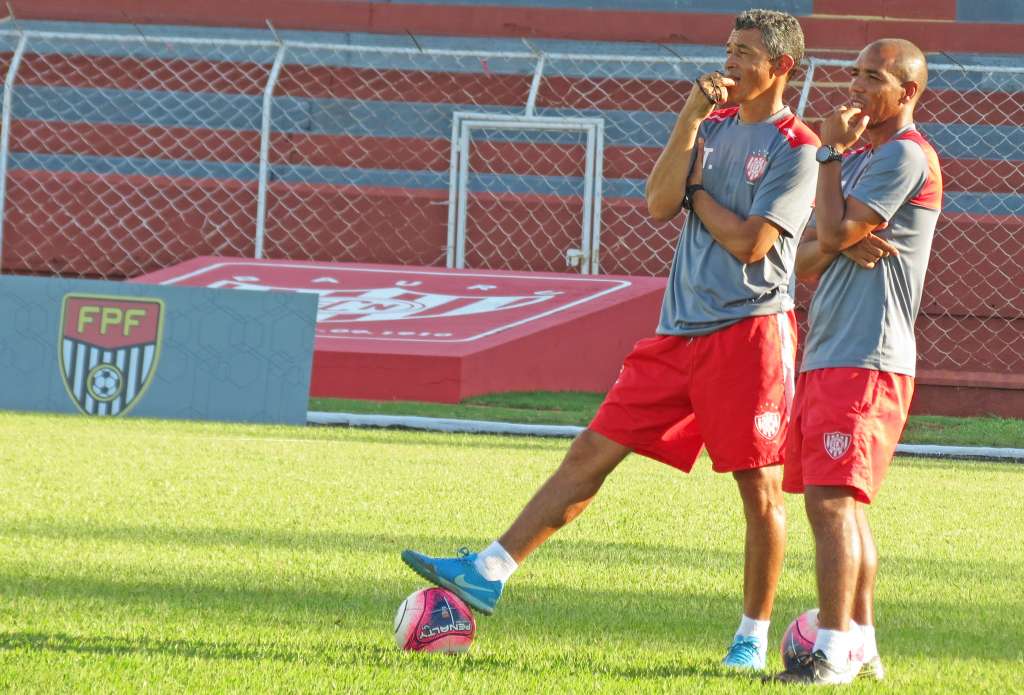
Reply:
x=586, y=258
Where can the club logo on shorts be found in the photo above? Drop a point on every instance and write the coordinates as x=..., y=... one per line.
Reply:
x=768, y=424
x=757, y=164
x=836, y=444
x=109, y=349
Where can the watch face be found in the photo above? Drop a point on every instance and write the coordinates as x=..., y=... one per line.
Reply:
x=824, y=154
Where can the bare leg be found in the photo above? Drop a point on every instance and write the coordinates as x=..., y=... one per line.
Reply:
x=832, y=511
x=761, y=491
x=864, y=601
x=565, y=494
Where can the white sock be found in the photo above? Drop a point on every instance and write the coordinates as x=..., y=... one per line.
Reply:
x=870, y=645
x=835, y=644
x=495, y=564
x=754, y=628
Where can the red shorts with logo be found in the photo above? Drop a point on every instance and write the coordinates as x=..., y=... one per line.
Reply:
x=846, y=425
x=730, y=391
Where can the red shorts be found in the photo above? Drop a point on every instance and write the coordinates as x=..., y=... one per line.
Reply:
x=846, y=425
x=730, y=391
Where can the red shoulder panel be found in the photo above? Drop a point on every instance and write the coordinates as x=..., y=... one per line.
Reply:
x=796, y=132
x=930, y=195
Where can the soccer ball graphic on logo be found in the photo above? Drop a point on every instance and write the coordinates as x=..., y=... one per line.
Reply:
x=434, y=620
x=104, y=382
x=798, y=639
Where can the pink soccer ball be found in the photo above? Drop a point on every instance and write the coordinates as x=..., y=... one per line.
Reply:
x=434, y=620
x=798, y=639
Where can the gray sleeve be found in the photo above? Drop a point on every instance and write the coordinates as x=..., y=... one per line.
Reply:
x=786, y=194
x=812, y=223
x=893, y=176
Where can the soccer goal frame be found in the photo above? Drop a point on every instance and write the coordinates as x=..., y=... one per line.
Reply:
x=586, y=258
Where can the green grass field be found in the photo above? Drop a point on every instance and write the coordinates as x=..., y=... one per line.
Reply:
x=183, y=557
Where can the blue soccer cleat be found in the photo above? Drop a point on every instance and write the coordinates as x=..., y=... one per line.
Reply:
x=746, y=653
x=459, y=575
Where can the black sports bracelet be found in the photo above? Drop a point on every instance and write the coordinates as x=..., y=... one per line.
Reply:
x=688, y=196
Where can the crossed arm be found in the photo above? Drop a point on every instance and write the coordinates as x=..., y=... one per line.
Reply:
x=681, y=163
x=811, y=261
x=843, y=226
x=747, y=239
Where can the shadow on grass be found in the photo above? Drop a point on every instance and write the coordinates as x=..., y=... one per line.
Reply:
x=388, y=542
x=580, y=616
x=345, y=654
x=123, y=646
x=340, y=541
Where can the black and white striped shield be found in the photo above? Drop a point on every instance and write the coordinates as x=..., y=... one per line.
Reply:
x=109, y=350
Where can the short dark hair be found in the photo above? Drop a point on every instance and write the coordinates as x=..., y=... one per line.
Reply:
x=780, y=32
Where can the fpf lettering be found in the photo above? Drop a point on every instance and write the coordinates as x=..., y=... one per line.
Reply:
x=110, y=319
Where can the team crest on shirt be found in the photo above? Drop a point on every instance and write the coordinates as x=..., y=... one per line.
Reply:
x=768, y=424
x=836, y=444
x=757, y=164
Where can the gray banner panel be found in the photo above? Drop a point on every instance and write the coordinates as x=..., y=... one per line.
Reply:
x=116, y=348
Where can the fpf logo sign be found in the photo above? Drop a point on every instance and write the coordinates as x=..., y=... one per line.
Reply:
x=109, y=349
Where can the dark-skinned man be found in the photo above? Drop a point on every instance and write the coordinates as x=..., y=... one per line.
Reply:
x=876, y=210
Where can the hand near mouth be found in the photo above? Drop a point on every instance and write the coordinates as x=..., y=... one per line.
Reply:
x=709, y=91
x=843, y=127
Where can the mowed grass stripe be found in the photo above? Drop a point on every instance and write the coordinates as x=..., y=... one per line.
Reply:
x=205, y=557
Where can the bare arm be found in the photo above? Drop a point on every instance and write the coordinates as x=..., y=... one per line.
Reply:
x=747, y=239
x=841, y=222
x=666, y=184
x=812, y=261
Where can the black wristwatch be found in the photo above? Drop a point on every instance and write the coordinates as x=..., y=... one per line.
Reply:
x=828, y=153
x=688, y=196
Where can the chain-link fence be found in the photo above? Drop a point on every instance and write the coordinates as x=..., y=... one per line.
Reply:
x=126, y=155
x=361, y=146
x=123, y=154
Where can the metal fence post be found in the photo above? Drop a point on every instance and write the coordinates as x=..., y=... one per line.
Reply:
x=261, y=195
x=538, y=74
x=5, y=135
x=805, y=93
x=453, y=190
x=595, y=227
